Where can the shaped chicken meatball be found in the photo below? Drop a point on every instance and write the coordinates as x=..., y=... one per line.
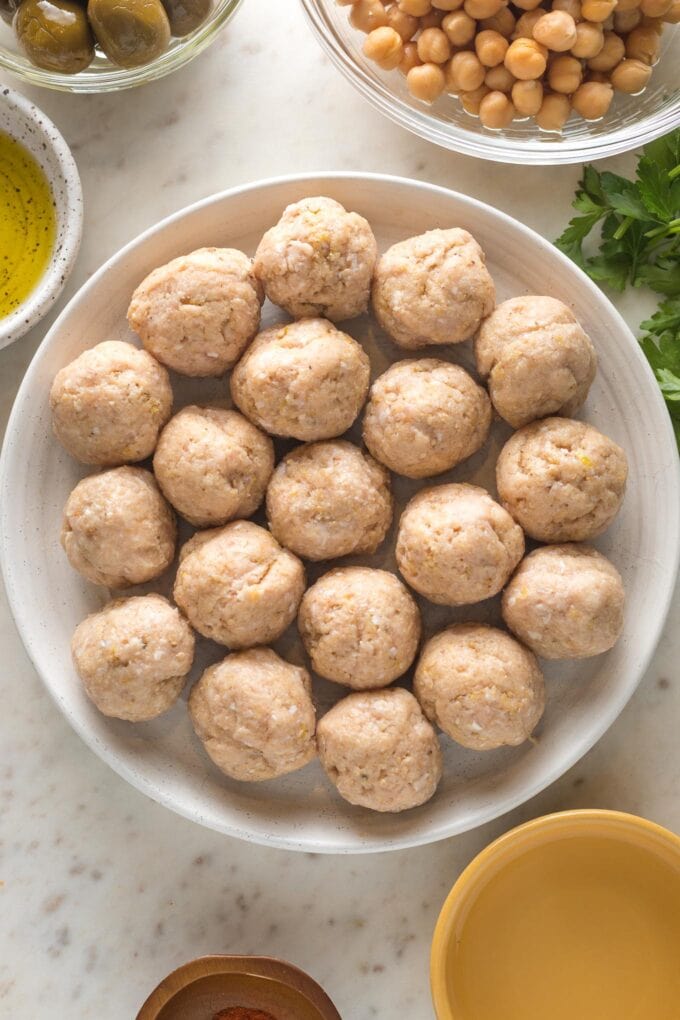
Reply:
x=330, y=499
x=133, y=657
x=432, y=289
x=318, y=260
x=565, y=602
x=306, y=380
x=456, y=545
x=198, y=313
x=237, y=585
x=117, y=528
x=562, y=480
x=360, y=627
x=424, y=417
x=109, y=405
x=213, y=465
x=480, y=686
x=379, y=750
x=537, y=359
x=254, y=715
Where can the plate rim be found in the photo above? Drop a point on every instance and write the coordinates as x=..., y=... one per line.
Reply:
x=343, y=843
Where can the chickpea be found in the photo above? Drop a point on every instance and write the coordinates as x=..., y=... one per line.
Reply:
x=526, y=59
x=447, y=5
x=410, y=58
x=597, y=10
x=598, y=76
x=345, y=3
x=592, y=99
x=655, y=8
x=471, y=101
x=418, y=8
x=367, y=15
x=432, y=20
x=611, y=54
x=556, y=30
x=589, y=40
x=631, y=76
x=554, y=112
x=565, y=74
x=460, y=28
x=626, y=21
x=384, y=46
x=656, y=24
x=491, y=47
x=433, y=46
x=426, y=82
x=464, y=73
x=496, y=110
x=524, y=29
x=499, y=79
x=527, y=97
x=643, y=44
x=572, y=7
x=483, y=8
x=528, y=5
x=504, y=23
x=673, y=15
x=405, y=24
x=608, y=24
x=627, y=5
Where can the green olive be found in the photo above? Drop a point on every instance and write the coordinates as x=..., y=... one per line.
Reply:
x=186, y=15
x=130, y=32
x=55, y=34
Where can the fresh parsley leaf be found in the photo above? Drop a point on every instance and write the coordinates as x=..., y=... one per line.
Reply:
x=639, y=245
x=666, y=318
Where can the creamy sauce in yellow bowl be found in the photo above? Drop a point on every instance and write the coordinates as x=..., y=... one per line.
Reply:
x=571, y=917
x=28, y=224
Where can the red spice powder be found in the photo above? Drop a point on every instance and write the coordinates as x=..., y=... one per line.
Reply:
x=242, y=1013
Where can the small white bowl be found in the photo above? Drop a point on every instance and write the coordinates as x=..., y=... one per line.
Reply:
x=24, y=122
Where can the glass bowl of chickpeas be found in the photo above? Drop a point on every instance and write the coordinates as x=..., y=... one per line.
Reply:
x=105, y=45
x=515, y=81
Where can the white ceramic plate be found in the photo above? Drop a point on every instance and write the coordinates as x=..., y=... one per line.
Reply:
x=302, y=812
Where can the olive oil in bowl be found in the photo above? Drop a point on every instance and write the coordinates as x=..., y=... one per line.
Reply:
x=27, y=224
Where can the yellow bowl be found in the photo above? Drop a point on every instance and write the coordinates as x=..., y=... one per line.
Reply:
x=574, y=916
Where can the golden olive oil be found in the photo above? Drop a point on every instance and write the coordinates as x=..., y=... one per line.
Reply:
x=27, y=223
x=578, y=929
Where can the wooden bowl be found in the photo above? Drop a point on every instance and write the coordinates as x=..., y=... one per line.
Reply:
x=200, y=989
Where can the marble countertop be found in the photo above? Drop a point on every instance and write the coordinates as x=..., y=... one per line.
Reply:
x=102, y=892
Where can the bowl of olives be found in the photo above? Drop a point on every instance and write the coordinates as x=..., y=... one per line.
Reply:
x=105, y=45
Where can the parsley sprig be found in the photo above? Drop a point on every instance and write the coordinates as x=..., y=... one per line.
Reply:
x=639, y=245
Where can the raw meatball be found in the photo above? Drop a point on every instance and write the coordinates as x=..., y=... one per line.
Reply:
x=432, y=289
x=238, y=586
x=254, y=714
x=133, y=657
x=109, y=405
x=306, y=380
x=537, y=359
x=360, y=627
x=562, y=480
x=424, y=417
x=480, y=686
x=565, y=602
x=456, y=545
x=117, y=528
x=318, y=260
x=329, y=499
x=380, y=751
x=198, y=313
x=213, y=465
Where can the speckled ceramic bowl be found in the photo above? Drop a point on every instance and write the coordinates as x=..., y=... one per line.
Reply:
x=24, y=122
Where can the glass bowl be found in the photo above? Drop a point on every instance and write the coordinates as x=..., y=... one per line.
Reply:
x=102, y=75
x=630, y=122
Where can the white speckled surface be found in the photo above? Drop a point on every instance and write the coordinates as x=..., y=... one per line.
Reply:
x=104, y=892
